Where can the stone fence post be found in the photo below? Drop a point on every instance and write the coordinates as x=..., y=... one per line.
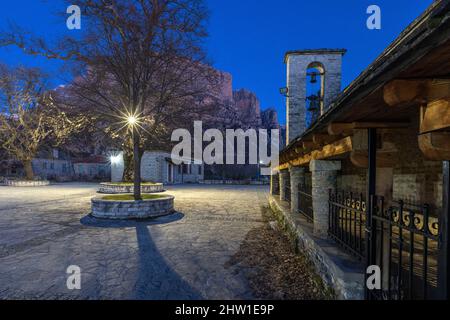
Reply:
x=324, y=174
x=274, y=184
x=284, y=174
x=297, y=174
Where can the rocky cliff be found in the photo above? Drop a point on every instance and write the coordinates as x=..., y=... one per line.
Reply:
x=239, y=109
x=248, y=108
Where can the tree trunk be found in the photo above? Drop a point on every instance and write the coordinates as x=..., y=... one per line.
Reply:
x=128, y=166
x=137, y=166
x=29, y=174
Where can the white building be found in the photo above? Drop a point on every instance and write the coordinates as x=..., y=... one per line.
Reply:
x=158, y=166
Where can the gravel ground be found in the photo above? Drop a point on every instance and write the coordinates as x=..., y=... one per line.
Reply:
x=273, y=269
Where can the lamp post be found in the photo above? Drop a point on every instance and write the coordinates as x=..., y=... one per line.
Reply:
x=132, y=122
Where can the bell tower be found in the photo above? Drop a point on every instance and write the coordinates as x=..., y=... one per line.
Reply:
x=313, y=82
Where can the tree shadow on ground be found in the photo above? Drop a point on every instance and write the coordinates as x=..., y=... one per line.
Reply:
x=155, y=278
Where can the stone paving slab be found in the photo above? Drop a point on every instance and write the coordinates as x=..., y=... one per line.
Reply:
x=183, y=256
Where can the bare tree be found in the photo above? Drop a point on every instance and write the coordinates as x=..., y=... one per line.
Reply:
x=28, y=116
x=138, y=59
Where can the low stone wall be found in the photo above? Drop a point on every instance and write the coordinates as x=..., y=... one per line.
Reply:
x=153, y=208
x=234, y=182
x=108, y=188
x=341, y=272
x=26, y=183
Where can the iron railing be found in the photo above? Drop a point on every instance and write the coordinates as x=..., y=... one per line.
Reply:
x=347, y=221
x=305, y=206
x=407, y=242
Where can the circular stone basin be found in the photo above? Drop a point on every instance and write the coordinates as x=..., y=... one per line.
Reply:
x=26, y=183
x=119, y=188
x=124, y=207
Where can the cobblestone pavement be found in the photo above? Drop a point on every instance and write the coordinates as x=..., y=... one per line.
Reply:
x=184, y=256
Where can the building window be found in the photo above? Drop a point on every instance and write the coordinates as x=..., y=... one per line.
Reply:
x=199, y=170
x=44, y=165
x=52, y=166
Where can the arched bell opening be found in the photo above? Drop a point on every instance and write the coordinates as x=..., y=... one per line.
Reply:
x=315, y=92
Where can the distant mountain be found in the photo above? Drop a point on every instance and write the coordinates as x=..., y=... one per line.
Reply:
x=239, y=109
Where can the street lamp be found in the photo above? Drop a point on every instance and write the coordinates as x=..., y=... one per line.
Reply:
x=115, y=159
x=132, y=120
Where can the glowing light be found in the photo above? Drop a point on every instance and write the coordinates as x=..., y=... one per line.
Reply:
x=132, y=120
x=115, y=160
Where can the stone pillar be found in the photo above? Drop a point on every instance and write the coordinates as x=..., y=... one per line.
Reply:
x=296, y=177
x=324, y=174
x=274, y=184
x=283, y=180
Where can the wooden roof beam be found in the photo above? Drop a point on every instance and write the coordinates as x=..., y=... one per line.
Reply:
x=415, y=91
x=331, y=150
x=346, y=129
x=308, y=145
x=323, y=139
x=435, y=116
x=435, y=145
x=360, y=159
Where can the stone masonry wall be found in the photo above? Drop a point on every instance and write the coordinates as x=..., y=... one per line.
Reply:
x=416, y=177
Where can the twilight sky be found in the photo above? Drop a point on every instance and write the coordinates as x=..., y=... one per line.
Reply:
x=248, y=38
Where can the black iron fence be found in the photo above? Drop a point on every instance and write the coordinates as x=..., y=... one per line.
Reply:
x=305, y=204
x=347, y=221
x=406, y=238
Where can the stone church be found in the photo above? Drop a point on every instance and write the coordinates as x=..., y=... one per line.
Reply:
x=364, y=179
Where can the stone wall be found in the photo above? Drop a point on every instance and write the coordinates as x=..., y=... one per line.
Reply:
x=132, y=209
x=152, y=167
x=234, y=182
x=355, y=183
x=53, y=169
x=414, y=178
x=117, y=189
x=341, y=272
x=25, y=183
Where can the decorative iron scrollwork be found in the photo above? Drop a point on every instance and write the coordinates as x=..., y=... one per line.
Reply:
x=414, y=219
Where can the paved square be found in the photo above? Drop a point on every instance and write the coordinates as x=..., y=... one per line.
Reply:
x=45, y=230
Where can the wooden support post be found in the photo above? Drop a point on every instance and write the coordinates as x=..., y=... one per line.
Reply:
x=371, y=189
x=444, y=232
